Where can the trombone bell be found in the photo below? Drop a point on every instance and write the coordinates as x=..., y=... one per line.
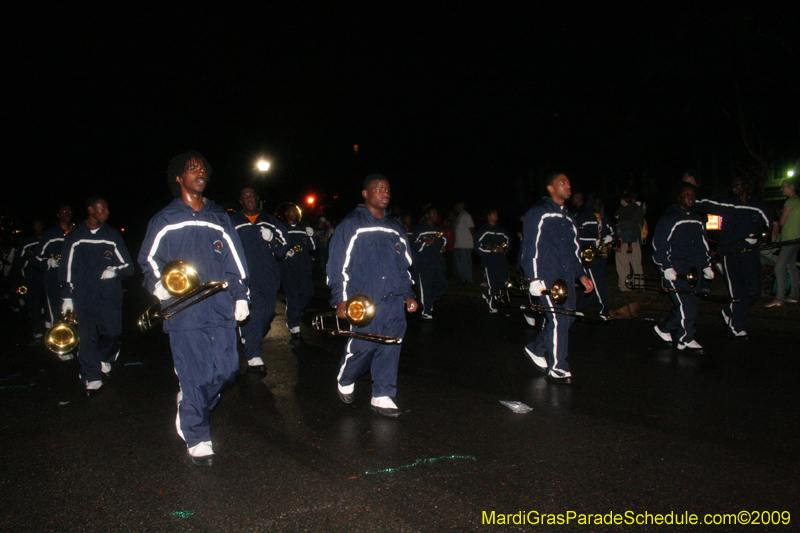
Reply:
x=182, y=282
x=360, y=312
x=62, y=338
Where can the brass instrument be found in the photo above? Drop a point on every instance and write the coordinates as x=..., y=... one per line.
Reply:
x=430, y=239
x=501, y=247
x=62, y=338
x=181, y=281
x=656, y=283
x=587, y=255
x=558, y=292
x=633, y=281
x=360, y=312
x=21, y=289
x=764, y=233
x=297, y=248
x=604, y=250
x=765, y=246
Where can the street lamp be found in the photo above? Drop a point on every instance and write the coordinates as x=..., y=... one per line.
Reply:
x=262, y=165
x=790, y=173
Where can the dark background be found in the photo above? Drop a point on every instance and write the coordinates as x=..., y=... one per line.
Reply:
x=474, y=102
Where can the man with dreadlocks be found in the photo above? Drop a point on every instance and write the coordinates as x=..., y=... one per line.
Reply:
x=203, y=337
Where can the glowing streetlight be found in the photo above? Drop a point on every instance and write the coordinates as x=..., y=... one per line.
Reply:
x=310, y=200
x=262, y=165
x=790, y=173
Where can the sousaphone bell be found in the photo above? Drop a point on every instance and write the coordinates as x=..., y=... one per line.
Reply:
x=182, y=282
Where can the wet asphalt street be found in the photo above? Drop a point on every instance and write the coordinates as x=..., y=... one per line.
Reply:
x=645, y=429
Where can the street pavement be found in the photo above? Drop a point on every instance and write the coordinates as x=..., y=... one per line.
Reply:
x=645, y=429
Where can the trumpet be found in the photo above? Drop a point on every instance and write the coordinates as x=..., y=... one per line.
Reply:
x=181, y=281
x=297, y=248
x=430, y=239
x=360, y=312
x=587, y=255
x=648, y=283
x=62, y=338
x=21, y=289
x=558, y=292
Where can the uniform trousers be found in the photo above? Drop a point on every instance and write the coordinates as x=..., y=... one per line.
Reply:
x=743, y=274
x=206, y=361
x=552, y=342
x=380, y=360
x=596, y=270
x=299, y=289
x=431, y=284
x=262, y=311
x=495, y=273
x=99, y=330
x=683, y=314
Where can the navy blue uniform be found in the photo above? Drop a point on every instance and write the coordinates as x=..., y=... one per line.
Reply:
x=97, y=302
x=488, y=238
x=202, y=338
x=681, y=242
x=429, y=267
x=265, y=275
x=550, y=251
x=50, y=247
x=742, y=270
x=296, y=272
x=592, y=229
x=370, y=256
x=26, y=270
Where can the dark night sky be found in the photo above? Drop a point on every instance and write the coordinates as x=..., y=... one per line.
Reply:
x=472, y=103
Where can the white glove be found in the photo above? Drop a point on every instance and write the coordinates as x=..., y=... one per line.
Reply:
x=608, y=238
x=290, y=252
x=751, y=241
x=536, y=287
x=52, y=263
x=67, y=306
x=109, y=273
x=597, y=243
x=242, y=310
x=266, y=234
x=670, y=274
x=161, y=293
x=309, y=232
x=708, y=273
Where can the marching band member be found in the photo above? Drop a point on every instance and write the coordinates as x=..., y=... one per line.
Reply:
x=428, y=244
x=94, y=262
x=550, y=251
x=26, y=271
x=264, y=243
x=679, y=243
x=743, y=216
x=493, y=244
x=203, y=338
x=595, y=232
x=296, y=266
x=369, y=254
x=47, y=258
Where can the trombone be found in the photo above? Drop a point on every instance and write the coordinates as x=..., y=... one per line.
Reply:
x=648, y=283
x=62, y=338
x=181, y=281
x=360, y=312
x=764, y=246
x=558, y=292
